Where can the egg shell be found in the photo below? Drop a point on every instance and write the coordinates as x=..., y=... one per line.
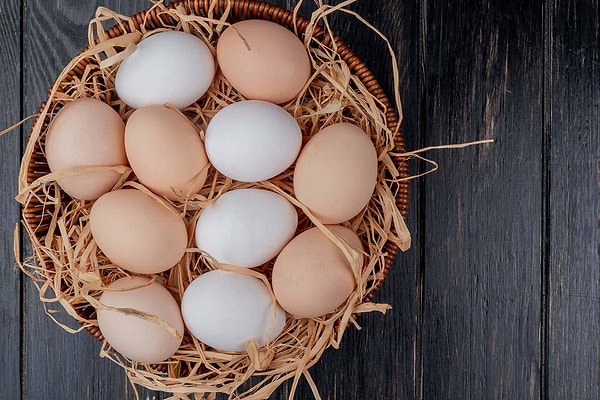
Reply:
x=336, y=173
x=311, y=276
x=86, y=132
x=138, y=233
x=246, y=227
x=225, y=310
x=263, y=60
x=252, y=140
x=167, y=67
x=134, y=337
x=166, y=152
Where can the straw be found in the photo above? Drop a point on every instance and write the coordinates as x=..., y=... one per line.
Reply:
x=71, y=272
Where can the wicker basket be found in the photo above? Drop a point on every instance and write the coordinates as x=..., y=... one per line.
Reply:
x=44, y=203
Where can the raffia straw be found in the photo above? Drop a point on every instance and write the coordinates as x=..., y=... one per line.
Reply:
x=321, y=14
x=415, y=154
x=70, y=271
x=17, y=124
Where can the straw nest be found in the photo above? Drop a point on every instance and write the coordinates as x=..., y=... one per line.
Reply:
x=69, y=269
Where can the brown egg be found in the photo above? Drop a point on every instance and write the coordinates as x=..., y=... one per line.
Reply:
x=136, y=232
x=166, y=152
x=86, y=132
x=336, y=173
x=263, y=60
x=134, y=337
x=311, y=275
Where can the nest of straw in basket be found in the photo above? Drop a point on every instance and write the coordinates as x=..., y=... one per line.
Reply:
x=69, y=269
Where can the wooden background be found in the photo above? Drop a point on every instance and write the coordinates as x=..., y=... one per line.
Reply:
x=499, y=298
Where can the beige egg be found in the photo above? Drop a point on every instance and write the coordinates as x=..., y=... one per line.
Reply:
x=138, y=233
x=311, y=276
x=86, y=132
x=263, y=60
x=336, y=173
x=135, y=337
x=165, y=152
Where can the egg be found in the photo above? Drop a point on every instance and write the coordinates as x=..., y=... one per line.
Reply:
x=311, y=275
x=135, y=337
x=165, y=152
x=252, y=140
x=86, y=132
x=137, y=232
x=263, y=60
x=246, y=227
x=336, y=173
x=167, y=67
x=225, y=310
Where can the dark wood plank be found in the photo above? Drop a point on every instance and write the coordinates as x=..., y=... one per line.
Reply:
x=10, y=150
x=59, y=365
x=483, y=209
x=573, y=112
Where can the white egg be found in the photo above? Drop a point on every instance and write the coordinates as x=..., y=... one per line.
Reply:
x=246, y=227
x=252, y=140
x=167, y=67
x=225, y=310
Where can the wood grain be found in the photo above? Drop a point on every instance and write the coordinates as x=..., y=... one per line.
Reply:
x=573, y=105
x=10, y=150
x=483, y=210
